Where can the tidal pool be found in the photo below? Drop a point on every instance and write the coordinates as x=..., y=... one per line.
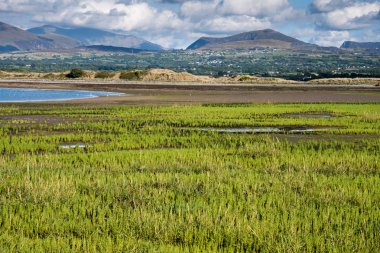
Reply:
x=67, y=146
x=269, y=130
x=243, y=130
x=10, y=95
x=309, y=115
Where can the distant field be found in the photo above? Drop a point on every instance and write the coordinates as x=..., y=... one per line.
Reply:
x=190, y=178
x=280, y=63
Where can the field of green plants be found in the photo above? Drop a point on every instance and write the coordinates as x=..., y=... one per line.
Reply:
x=190, y=178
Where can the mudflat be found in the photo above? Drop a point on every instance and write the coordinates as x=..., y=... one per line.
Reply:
x=173, y=93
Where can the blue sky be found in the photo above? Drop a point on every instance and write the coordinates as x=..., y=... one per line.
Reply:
x=301, y=3
x=177, y=23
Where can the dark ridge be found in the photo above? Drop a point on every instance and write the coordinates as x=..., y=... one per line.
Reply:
x=259, y=38
x=360, y=45
x=90, y=36
x=16, y=39
x=114, y=49
x=8, y=48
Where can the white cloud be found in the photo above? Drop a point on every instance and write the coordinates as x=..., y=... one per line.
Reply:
x=175, y=23
x=329, y=5
x=198, y=9
x=345, y=14
x=112, y=15
x=331, y=38
x=131, y=16
x=353, y=17
x=232, y=16
x=369, y=35
x=233, y=24
x=323, y=38
x=259, y=8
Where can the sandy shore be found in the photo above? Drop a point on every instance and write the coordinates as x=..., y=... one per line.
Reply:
x=173, y=93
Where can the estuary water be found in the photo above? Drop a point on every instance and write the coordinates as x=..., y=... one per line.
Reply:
x=8, y=95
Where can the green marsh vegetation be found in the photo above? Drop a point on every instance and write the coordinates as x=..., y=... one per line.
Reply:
x=149, y=179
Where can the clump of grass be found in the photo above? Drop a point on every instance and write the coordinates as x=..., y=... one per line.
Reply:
x=49, y=76
x=245, y=78
x=75, y=73
x=133, y=75
x=104, y=74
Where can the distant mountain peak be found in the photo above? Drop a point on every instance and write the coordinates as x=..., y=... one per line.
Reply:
x=360, y=45
x=16, y=39
x=259, y=38
x=92, y=36
x=5, y=27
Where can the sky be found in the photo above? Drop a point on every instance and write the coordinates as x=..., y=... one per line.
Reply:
x=178, y=23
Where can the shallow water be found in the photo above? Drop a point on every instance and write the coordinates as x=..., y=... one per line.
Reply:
x=243, y=130
x=311, y=130
x=309, y=115
x=9, y=95
x=267, y=130
x=68, y=146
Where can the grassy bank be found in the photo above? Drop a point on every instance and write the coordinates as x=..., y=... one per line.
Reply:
x=163, y=179
x=165, y=75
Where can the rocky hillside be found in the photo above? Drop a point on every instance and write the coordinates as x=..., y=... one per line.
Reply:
x=89, y=36
x=15, y=39
x=360, y=45
x=256, y=39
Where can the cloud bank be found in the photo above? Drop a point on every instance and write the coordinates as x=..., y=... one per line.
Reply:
x=176, y=23
x=339, y=20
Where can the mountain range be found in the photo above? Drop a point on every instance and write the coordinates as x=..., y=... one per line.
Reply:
x=90, y=36
x=256, y=39
x=267, y=38
x=15, y=39
x=361, y=45
x=50, y=37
